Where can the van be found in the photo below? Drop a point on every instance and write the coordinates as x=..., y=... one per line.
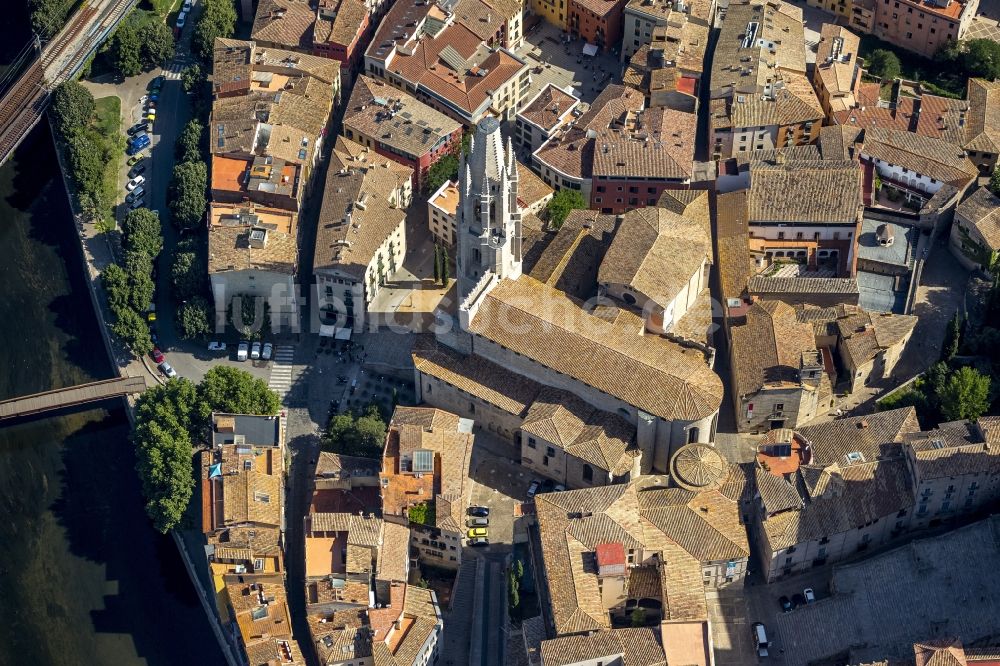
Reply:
x=477, y=522
x=760, y=635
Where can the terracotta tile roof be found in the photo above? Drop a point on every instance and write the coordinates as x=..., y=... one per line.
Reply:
x=982, y=211
x=768, y=348
x=770, y=286
x=793, y=104
x=530, y=188
x=571, y=260
x=863, y=335
x=837, y=142
x=633, y=647
x=953, y=449
x=395, y=118
x=549, y=108
x=594, y=436
x=983, y=130
x=942, y=118
x=735, y=265
x=745, y=69
x=345, y=27
x=868, y=435
x=562, y=337
x=663, y=149
x=825, y=192
x=285, y=22
x=655, y=252
x=931, y=157
x=361, y=209
x=230, y=249
x=692, y=204
x=701, y=526
x=837, y=64
x=492, y=383
x=839, y=499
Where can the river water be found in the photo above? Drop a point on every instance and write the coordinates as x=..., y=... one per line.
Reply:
x=84, y=579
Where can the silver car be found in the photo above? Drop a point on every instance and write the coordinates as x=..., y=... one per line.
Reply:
x=267, y=351
x=477, y=522
x=168, y=370
x=241, y=351
x=255, y=351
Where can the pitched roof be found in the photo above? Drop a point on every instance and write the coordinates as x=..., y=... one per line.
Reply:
x=683, y=525
x=285, y=22
x=953, y=449
x=649, y=372
x=732, y=237
x=361, y=209
x=549, y=107
x=764, y=286
x=662, y=149
x=837, y=64
x=571, y=260
x=744, y=62
x=864, y=334
x=823, y=192
x=934, y=158
x=655, y=252
x=634, y=647
x=794, y=103
x=868, y=435
x=983, y=121
x=768, y=348
x=982, y=211
x=395, y=118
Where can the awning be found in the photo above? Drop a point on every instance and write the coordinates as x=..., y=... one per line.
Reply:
x=327, y=330
x=215, y=470
x=343, y=333
x=590, y=49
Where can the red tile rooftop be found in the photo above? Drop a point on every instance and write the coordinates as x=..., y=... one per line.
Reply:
x=781, y=451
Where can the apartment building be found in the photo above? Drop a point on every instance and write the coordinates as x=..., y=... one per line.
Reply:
x=923, y=27
x=837, y=76
x=455, y=58
x=761, y=98
x=975, y=232
x=643, y=17
x=361, y=241
x=597, y=22
x=257, y=606
x=668, y=70
x=398, y=126
x=544, y=116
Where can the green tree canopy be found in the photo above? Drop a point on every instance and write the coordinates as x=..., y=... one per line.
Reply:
x=48, y=16
x=188, y=275
x=141, y=41
x=142, y=232
x=363, y=436
x=132, y=329
x=72, y=107
x=192, y=78
x=443, y=170
x=157, y=42
x=86, y=161
x=884, y=64
x=188, y=193
x=195, y=318
x=235, y=391
x=125, y=48
x=561, y=204
x=952, y=338
x=218, y=19
x=981, y=58
x=965, y=395
x=115, y=283
x=422, y=513
x=139, y=269
x=187, y=148
x=995, y=181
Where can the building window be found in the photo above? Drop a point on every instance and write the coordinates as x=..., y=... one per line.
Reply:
x=531, y=442
x=472, y=407
x=588, y=473
x=692, y=435
x=549, y=451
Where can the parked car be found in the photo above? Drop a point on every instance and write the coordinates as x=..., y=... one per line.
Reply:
x=479, y=542
x=480, y=511
x=478, y=532
x=241, y=351
x=187, y=5
x=255, y=351
x=266, y=352
x=137, y=203
x=533, y=488
x=151, y=115
x=809, y=595
x=135, y=194
x=143, y=99
x=135, y=129
x=216, y=346
x=181, y=19
x=157, y=356
x=786, y=604
x=135, y=159
x=136, y=170
x=139, y=138
x=477, y=522
x=135, y=182
x=137, y=144
x=156, y=83
x=559, y=488
x=168, y=370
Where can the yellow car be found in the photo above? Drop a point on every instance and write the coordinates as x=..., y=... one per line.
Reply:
x=477, y=532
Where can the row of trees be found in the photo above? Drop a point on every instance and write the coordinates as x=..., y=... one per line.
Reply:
x=48, y=16
x=130, y=288
x=89, y=148
x=442, y=265
x=171, y=418
x=954, y=63
x=218, y=19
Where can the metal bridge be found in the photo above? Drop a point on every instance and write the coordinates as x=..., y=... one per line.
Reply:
x=24, y=102
x=71, y=396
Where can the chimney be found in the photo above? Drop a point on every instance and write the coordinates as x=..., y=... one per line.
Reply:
x=258, y=237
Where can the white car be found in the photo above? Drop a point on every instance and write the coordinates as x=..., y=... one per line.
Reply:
x=187, y=5
x=168, y=370
x=809, y=594
x=181, y=18
x=241, y=351
x=142, y=100
x=266, y=351
x=216, y=346
x=255, y=351
x=135, y=182
x=533, y=488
